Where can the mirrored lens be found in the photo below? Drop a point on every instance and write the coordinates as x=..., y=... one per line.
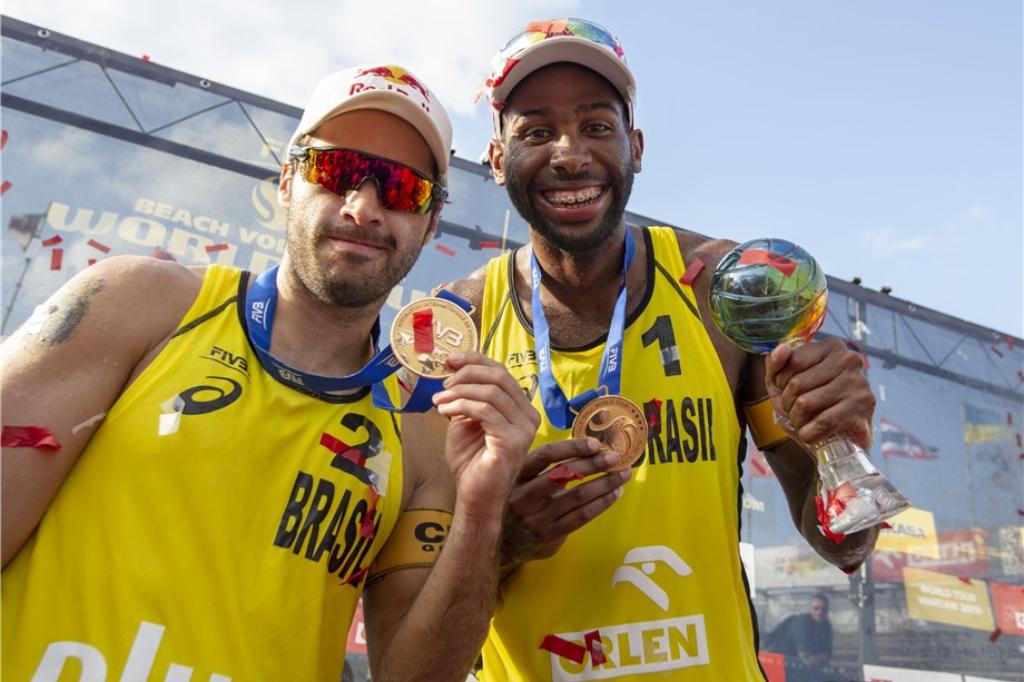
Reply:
x=339, y=170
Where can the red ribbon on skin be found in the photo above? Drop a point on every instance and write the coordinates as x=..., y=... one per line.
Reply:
x=29, y=437
x=693, y=271
x=562, y=474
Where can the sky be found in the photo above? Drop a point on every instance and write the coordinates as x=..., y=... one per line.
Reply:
x=884, y=137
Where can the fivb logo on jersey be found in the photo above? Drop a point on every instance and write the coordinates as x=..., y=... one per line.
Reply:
x=643, y=647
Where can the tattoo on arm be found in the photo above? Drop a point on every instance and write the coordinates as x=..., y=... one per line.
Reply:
x=67, y=314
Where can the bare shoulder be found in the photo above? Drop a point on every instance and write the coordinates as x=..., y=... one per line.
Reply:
x=470, y=288
x=710, y=252
x=130, y=294
x=136, y=291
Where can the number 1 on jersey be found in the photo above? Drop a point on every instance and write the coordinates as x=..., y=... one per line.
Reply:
x=663, y=332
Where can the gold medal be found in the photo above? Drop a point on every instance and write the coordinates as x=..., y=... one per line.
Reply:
x=427, y=331
x=617, y=423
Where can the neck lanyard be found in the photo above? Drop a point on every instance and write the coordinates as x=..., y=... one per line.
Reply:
x=260, y=305
x=562, y=411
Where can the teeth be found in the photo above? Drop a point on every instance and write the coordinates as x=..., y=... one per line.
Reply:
x=573, y=197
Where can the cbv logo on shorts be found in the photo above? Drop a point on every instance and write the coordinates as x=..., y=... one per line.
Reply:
x=93, y=665
x=638, y=648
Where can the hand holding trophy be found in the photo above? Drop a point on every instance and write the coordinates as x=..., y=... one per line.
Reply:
x=769, y=292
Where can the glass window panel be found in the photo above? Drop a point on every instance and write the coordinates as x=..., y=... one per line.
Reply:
x=157, y=103
x=21, y=59
x=276, y=128
x=81, y=88
x=225, y=131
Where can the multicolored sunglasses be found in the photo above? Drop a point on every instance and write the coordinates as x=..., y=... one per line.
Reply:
x=537, y=31
x=400, y=187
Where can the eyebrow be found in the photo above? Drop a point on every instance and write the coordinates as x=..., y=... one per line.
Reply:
x=547, y=111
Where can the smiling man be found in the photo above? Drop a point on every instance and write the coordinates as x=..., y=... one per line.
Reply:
x=242, y=487
x=607, y=323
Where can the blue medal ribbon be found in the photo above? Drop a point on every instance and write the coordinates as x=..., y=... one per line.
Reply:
x=561, y=411
x=260, y=305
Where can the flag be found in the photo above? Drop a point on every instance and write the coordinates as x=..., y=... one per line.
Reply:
x=25, y=227
x=898, y=442
x=983, y=425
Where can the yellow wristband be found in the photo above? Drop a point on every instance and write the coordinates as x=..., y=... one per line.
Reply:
x=415, y=542
x=761, y=420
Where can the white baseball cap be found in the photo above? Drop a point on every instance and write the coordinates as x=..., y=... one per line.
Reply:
x=558, y=40
x=386, y=88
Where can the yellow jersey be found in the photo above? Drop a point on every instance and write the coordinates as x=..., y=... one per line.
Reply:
x=231, y=547
x=658, y=575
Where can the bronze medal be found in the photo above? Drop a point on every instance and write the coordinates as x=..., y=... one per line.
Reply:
x=427, y=331
x=617, y=423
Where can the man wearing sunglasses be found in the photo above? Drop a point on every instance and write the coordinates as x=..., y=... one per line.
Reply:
x=196, y=475
x=600, y=587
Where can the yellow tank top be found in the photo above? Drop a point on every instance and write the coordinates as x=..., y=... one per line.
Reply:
x=658, y=575
x=232, y=548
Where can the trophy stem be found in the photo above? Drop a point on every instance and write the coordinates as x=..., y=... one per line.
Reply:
x=859, y=495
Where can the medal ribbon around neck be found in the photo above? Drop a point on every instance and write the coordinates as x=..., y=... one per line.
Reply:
x=260, y=305
x=562, y=411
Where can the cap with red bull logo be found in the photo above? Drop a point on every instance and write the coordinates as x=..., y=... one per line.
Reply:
x=397, y=76
x=385, y=87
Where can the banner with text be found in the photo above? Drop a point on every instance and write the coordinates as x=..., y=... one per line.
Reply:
x=943, y=598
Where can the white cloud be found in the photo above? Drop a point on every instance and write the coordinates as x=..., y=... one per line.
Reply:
x=449, y=44
x=964, y=227
x=977, y=214
x=885, y=241
x=280, y=50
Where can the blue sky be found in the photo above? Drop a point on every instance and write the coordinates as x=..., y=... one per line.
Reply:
x=885, y=137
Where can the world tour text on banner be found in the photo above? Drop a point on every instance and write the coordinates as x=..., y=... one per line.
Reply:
x=178, y=231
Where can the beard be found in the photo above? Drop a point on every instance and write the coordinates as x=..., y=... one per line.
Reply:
x=341, y=281
x=571, y=239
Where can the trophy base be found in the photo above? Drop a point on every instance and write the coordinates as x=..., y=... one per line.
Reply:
x=862, y=497
x=876, y=500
